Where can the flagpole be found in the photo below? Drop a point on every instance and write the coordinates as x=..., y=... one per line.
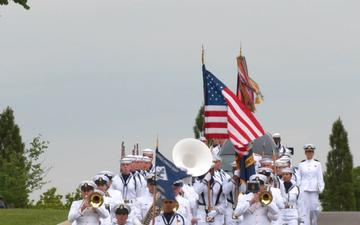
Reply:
x=202, y=54
x=155, y=191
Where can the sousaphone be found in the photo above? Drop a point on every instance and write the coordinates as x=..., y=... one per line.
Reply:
x=192, y=155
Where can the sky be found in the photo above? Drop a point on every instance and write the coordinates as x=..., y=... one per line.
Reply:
x=87, y=75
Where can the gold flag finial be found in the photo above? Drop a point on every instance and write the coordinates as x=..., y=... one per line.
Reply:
x=202, y=54
x=157, y=141
x=240, y=49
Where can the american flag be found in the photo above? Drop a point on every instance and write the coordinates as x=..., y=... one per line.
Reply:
x=226, y=116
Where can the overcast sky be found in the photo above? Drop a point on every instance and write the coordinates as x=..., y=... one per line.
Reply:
x=88, y=74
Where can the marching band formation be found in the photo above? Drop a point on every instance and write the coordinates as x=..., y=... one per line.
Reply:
x=278, y=193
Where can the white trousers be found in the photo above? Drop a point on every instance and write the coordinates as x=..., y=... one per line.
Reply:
x=229, y=220
x=309, y=207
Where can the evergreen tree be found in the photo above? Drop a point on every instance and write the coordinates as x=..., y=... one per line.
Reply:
x=339, y=191
x=20, y=171
x=12, y=162
x=199, y=123
x=356, y=180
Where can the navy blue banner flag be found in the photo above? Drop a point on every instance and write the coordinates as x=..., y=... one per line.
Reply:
x=166, y=173
x=247, y=165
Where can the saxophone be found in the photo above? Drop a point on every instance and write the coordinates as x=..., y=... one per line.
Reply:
x=150, y=213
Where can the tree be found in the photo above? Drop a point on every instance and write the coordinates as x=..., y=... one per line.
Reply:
x=35, y=171
x=70, y=197
x=50, y=200
x=356, y=180
x=21, y=2
x=199, y=123
x=339, y=191
x=12, y=162
x=20, y=169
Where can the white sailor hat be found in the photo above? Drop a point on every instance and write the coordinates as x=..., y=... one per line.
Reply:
x=276, y=135
x=285, y=158
x=146, y=159
x=86, y=185
x=107, y=173
x=264, y=171
x=150, y=179
x=216, y=158
x=101, y=179
x=148, y=151
x=137, y=158
x=281, y=163
x=126, y=160
x=122, y=209
x=309, y=146
x=258, y=177
x=265, y=160
x=287, y=170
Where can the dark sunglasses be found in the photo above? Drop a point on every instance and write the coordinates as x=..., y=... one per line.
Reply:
x=168, y=202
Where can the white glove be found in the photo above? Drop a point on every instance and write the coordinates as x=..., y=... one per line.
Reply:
x=212, y=213
x=237, y=173
x=207, y=177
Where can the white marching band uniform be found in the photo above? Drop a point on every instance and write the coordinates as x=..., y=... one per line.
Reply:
x=292, y=205
x=290, y=213
x=311, y=183
x=217, y=201
x=256, y=213
x=130, y=188
x=176, y=219
x=89, y=216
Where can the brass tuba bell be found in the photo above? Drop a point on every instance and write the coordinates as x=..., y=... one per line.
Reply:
x=192, y=155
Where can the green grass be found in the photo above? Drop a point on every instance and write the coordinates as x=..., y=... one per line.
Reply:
x=32, y=216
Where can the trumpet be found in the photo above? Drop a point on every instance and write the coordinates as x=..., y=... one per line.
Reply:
x=96, y=200
x=266, y=197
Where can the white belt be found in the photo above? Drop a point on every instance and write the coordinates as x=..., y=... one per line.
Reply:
x=202, y=207
x=290, y=207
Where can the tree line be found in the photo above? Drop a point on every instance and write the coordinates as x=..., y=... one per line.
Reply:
x=21, y=171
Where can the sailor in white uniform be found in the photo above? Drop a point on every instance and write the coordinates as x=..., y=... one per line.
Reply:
x=149, y=153
x=190, y=194
x=143, y=204
x=289, y=215
x=122, y=212
x=81, y=212
x=250, y=207
x=231, y=191
x=126, y=182
x=110, y=200
x=184, y=204
x=169, y=216
x=311, y=183
x=212, y=202
x=275, y=191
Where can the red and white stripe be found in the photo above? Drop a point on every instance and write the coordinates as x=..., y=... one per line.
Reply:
x=242, y=126
x=216, y=122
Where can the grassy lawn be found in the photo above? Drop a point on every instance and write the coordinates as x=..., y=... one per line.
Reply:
x=32, y=216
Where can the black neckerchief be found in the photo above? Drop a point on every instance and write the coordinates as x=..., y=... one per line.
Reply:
x=168, y=217
x=287, y=186
x=125, y=177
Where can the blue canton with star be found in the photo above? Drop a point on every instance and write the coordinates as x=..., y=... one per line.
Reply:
x=212, y=89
